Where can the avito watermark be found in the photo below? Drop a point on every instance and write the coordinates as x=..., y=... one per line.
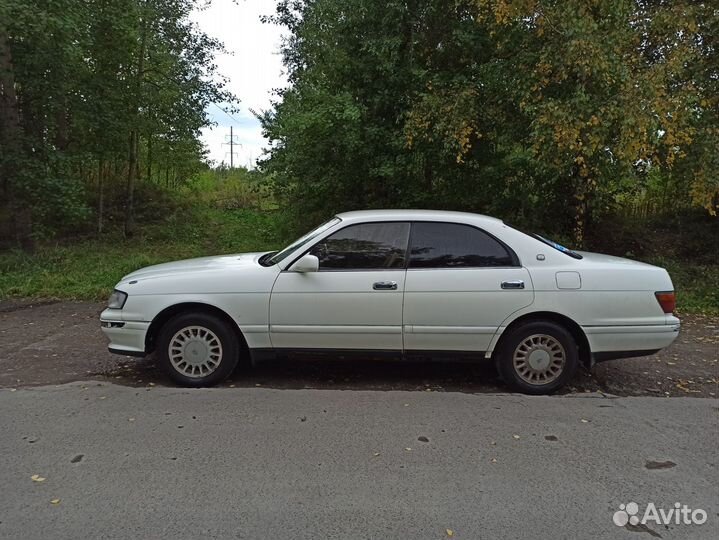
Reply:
x=679, y=514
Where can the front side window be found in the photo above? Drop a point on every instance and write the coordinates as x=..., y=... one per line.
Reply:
x=274, y=258
x=452, y=245
x=366, y=246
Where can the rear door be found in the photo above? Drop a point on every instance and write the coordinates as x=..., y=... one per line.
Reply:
x=461, y=284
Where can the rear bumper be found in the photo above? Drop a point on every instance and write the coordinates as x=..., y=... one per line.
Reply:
x=612, y=342
x=126, y=337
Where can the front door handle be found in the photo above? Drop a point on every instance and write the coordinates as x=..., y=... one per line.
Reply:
x=384, y=285
x=516, y=284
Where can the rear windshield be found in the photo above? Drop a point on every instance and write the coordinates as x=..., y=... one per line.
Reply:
x=558, y=247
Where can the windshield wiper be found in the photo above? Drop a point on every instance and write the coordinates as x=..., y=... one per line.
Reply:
x=265, y=259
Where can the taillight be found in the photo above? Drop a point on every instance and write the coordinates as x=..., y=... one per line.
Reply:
x=667, y=299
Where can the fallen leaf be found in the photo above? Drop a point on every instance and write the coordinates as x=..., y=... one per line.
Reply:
x=376, y=454
x=683, y=388
x=515, y=436
x=37, y=478
x=54, y=501
x=449, y=532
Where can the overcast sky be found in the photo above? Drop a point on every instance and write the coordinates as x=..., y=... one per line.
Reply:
x=254, y=68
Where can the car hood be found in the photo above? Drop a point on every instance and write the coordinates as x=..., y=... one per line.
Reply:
x=200, y=264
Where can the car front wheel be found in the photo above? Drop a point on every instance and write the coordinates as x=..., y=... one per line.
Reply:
x=198, y=349
x=538, y=357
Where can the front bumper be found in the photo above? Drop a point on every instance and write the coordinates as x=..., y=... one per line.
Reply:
x=126, y=337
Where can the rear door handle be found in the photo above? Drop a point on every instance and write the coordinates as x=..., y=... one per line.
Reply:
x=384, y=285
x=516, y=284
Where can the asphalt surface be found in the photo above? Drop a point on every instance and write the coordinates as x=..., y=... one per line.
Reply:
x=99, y=446
x=123, y=462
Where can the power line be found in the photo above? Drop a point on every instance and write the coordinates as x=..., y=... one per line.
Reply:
x=228, y=114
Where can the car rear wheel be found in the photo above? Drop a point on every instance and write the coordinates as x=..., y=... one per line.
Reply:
x=538, y=357
x=198, y=349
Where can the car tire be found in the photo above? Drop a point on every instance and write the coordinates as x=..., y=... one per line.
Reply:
x=537, y=357
x=198, y=349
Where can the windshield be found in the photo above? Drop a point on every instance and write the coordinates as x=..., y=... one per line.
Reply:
x=277, y=257
x=558, y=247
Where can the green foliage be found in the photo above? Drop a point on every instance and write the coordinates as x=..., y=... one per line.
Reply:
x=227, y=189
x=87, y=269
x=541, y=112
x=97, y=95
x=697, y=285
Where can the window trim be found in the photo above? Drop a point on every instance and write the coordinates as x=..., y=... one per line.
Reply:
x=516, y=263
x=401, y=268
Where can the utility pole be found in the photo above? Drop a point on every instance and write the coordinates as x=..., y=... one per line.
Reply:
x=231, y=142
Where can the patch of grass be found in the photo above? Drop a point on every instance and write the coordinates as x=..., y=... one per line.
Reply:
x=697, y=285
x=88, y=269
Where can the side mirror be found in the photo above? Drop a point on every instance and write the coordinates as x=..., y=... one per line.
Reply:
x=307, y=263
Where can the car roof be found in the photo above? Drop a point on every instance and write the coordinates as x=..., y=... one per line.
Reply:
x=416, y=215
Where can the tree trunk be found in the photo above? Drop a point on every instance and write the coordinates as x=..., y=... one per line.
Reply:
x=100, y=195
x=148, y=174
x=582, y=195
x=428, y=175
x=133, y=163
x=131, y=178
x=12, y=141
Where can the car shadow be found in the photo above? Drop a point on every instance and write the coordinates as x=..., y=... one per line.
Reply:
x=349, y=374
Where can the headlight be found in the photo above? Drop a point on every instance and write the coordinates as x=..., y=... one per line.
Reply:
x=117, y=299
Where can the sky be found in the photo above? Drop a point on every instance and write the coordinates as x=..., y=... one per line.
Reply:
x=253, y=67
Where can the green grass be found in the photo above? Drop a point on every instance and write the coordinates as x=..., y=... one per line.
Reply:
x=697, y=285
x=88, y=269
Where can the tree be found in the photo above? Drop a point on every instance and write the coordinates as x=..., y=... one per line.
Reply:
x=95, y=93
x=607, y=85
x=539, y=111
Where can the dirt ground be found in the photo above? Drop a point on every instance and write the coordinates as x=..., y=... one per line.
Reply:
x=57, y=342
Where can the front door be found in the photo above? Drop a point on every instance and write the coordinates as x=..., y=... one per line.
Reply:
x=461, y=284
x=354, y=301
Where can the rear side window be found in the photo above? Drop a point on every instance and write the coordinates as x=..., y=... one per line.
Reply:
x=452, y=245
x=366, y=246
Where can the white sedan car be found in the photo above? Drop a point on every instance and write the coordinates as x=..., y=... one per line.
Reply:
x=400, y=282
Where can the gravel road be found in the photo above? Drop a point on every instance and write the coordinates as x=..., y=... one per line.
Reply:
x=54, y=343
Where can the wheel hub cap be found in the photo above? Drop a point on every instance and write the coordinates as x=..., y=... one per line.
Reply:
x=195, y=351
x=539, y=359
